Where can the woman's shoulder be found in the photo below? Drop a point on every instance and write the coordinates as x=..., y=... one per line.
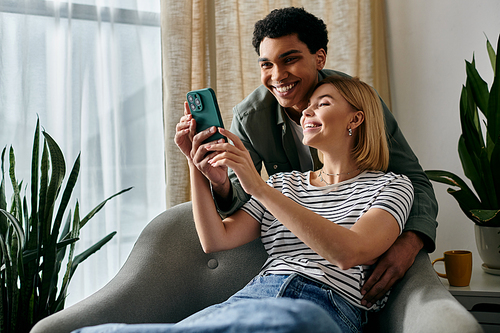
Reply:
x=385, y=177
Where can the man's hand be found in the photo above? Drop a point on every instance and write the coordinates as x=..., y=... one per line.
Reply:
x=391, y=267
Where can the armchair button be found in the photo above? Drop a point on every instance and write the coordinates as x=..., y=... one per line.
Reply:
x=212, y=263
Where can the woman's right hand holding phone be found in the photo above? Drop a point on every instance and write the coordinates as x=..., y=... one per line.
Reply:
x=192, y=146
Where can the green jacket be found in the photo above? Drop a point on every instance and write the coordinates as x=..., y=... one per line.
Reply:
x=260, y=123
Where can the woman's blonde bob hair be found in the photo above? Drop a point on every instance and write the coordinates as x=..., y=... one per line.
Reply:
x=370, y=150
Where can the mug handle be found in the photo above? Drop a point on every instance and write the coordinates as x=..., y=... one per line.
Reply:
x=440, y=274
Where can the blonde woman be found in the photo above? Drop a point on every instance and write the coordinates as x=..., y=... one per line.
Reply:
x=323, y=227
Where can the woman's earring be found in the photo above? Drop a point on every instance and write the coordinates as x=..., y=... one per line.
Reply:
x=350, y=132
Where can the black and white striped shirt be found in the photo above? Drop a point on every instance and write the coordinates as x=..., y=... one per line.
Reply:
x=343, y=203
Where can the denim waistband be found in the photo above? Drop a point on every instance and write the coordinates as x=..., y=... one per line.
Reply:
x=298, y=279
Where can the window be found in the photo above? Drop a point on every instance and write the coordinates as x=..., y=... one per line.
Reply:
x=91, y=71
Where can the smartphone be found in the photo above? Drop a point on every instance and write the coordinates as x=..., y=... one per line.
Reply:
x=205, y=110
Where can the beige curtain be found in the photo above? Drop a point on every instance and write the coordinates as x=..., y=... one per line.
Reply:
x=207, y=43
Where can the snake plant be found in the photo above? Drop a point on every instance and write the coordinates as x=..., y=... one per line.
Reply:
x=478, y=146
x=36, y=235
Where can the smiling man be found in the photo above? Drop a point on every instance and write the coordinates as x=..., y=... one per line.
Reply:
x=292, y=46
x=290, y=71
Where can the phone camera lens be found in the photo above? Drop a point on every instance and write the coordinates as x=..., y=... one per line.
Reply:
x=192, y=106
x=197, y=101
x=190, y=98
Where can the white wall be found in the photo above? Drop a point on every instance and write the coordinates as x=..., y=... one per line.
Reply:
x=428, y=43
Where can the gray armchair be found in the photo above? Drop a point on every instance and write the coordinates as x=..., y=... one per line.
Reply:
x=168, y=277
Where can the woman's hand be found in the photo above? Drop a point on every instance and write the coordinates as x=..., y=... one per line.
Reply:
x=191, y=145
x=237, y=158
x=200, y=157
x=185, y=131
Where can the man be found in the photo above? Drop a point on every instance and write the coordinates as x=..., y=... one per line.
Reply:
x=292, y=46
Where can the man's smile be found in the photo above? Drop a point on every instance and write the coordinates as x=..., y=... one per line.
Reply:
x=285, y=88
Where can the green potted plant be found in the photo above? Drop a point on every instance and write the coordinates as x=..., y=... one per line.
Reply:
x=36, y=235
x=479, y=151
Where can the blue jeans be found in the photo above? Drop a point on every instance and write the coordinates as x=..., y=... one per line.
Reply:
x=269, y=303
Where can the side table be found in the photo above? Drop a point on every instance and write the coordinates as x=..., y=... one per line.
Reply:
x=481, y=297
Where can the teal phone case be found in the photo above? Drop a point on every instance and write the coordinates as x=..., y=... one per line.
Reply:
x=205, y=110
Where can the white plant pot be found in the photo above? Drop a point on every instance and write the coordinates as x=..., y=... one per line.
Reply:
x=488, y=245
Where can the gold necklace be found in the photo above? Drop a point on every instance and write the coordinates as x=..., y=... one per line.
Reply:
x=332, y=174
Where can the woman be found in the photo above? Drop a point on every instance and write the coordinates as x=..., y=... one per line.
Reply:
x=321, y=229
x=293, y=212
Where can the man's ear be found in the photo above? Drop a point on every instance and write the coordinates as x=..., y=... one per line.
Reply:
x=320, y=59
x=357, y=119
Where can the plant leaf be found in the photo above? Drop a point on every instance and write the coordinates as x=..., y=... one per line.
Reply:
x=478, y=86
x=16, y=208
x=73, y=177
x=91, y=250
x=3, y=198
x=471, y=140
x=493, y=112
x=44, y=229
x=66, y=279
x=486, y=215
x=7, y=286
x=493, y=125
x=487, y=183
x=16, y=225
x=58, y=172
x=491, y=54
x=469, y=119
x=49, y=273
x=61, y=251
x=11, y=245
x=33, y=234
x=471, y=166
x=96, y=209
x=100, y=206
x=446, y=177
x=67, y=225
x=466, y=202
x=3, y=158
x=466, y=199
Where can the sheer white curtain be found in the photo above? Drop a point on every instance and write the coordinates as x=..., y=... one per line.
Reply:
x=91, y=71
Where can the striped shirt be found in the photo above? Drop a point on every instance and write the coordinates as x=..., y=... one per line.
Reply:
x=343, y=203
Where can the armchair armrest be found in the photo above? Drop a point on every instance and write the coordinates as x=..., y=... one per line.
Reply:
x=420, y=303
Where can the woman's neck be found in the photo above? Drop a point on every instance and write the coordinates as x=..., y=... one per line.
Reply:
x=334, y=171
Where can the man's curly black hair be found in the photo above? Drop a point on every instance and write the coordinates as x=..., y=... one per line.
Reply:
x=310, y=29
